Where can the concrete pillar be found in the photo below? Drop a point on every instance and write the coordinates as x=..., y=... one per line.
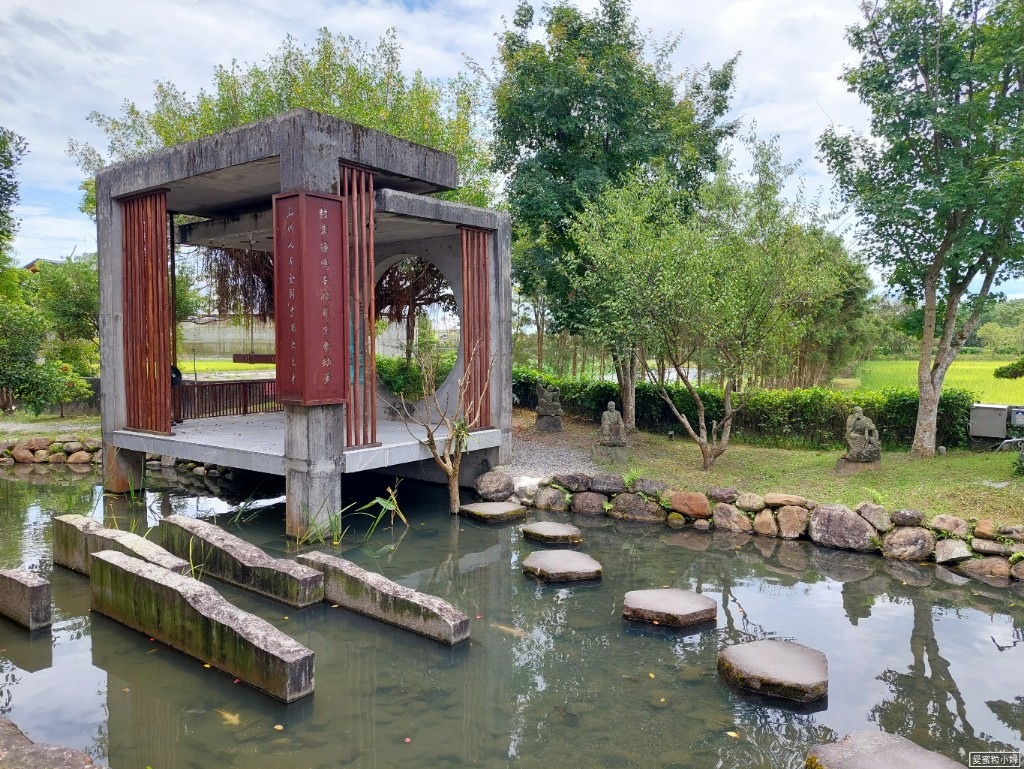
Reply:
x=314, y=436
x=501, y=336
x=123, y=470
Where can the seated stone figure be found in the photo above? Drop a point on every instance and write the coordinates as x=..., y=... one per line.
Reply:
x=861, y=438
x=613, y=429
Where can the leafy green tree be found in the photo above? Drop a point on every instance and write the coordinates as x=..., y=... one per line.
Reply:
x=12, y=150
x=731, y=277
x=573, y=113
x=68, y=295
x=338, y=76
x=938, y=184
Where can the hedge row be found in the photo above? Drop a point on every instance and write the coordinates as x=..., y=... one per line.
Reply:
x=812, y=418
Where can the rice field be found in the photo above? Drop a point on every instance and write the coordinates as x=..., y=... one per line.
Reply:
x=973, y=375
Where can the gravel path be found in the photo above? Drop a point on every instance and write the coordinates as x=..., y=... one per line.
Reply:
x=541, y=454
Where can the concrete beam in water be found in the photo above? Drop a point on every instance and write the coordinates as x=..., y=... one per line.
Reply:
x=227, y=557
x=25, y=598
x=76, y=537
x=377, y=596
x=195, y=619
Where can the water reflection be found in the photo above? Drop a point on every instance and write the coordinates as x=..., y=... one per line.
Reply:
x=552, y=676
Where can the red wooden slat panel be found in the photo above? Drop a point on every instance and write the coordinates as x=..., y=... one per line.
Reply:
x=476, y=325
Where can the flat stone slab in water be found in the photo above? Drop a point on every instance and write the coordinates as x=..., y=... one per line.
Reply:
x=496, y=512
x=19, y=752
x=776, y=668
x=549, y=531
x=669, y=606
x=562, y=566
x=876, y=750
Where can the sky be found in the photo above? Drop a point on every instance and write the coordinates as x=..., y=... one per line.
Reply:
x=63, y=59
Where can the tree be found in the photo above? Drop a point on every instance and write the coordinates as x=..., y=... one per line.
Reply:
x=573, y=113
x=732, y=276
x=404, y=292
x=12, y=150
x=339, y=76
x=938, y=184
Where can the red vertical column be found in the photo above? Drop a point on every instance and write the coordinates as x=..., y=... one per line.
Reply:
x=476, y=327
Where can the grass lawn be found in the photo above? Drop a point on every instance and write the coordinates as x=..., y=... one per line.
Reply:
x=219, y=365
x=957, y=483
x=973, y=375
x=22, y=423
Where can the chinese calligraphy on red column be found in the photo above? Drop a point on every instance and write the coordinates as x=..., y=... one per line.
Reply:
x=310, y=239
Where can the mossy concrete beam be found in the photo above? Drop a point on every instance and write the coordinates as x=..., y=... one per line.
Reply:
x=227, y=557
x=76, y=538
x=196, y=620
x=25, y=598
x=377, y=596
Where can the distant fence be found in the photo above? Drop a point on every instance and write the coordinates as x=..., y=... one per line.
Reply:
x=199, y=400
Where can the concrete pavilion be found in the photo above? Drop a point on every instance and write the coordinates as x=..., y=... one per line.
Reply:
x=336, y=204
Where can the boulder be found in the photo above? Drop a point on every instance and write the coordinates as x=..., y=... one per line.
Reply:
x=57, y=458
x=951, y=551
x=92, y=444
x=1017, y=571
x=675, y=520
x=839, y=526
x=765, y=525
x=572, y=481
x=669, y=606
x=17, y=750
x=909, y=543
x=904, y=517
x=72, y=446
x=991, y=570
x=776, y=668
x=37, y=444
x=649, y=488
x=526, y=489
x=1015, y=532
x=792, y=521
x=989, y=547
x=986, y=529
x=784, y=500
x=40, y=455
x=23, y=455
x=719, y=494
x=561, y=566
x=690, y=503
x=65, y=438
x=551, y=532
x=872, y=749
x=876, y=515
x=728, y=518
x=494, y=486
x=589, y=503
x=608, y=483
x=80, y=458
x=950, y=524
x=750, y=502
x=633, y=507
x=702, y=524
x=549, y=498
x=493, y=512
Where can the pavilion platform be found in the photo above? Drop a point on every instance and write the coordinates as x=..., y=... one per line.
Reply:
x=256, y=442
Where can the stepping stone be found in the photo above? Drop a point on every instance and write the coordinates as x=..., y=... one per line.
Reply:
x=562, y=566
x=494, y=512
x=776, y=668
x=669, y=606
x=871, y=749
x=555, y=533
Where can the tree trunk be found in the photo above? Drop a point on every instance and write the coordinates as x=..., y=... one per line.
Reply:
x=538, y=322
x=410, y=337
x=625, y=372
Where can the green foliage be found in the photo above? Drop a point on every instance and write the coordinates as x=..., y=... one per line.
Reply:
x=575, y=110
x=808, y=418
x=68, y=295
x=937, y=186
x=12, y=150
x=406, y=378
x=337, y=75
x=1013, y=370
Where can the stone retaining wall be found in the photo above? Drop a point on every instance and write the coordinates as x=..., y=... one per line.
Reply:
x=62, y=449
x=978, y=549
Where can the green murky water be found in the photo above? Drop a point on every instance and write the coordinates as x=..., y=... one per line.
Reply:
x=553, y=676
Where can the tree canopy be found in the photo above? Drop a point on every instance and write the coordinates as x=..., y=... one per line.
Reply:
x=337, y=75
x=12, y=149
x=938, y=183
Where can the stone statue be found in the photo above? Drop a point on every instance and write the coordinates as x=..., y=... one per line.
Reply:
x=861, y=438
x=613, y=429
x=549, y=409
x=548, y=401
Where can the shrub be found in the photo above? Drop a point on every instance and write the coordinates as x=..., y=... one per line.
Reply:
x=813, y=418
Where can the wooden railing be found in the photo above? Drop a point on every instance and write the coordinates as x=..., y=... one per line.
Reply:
x=221, y=399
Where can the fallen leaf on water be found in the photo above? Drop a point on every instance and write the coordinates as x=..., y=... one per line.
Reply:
x=230, y=719
x=650, y=675
x=278, y=727
x=206, y=664
x=662, y=699
x=734, y=735
x=286, y=618
x=152, y=651
x=334, y=606
x=408, y=740
x=125, y=690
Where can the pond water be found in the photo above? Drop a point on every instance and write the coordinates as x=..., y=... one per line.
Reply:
x=552, y=677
